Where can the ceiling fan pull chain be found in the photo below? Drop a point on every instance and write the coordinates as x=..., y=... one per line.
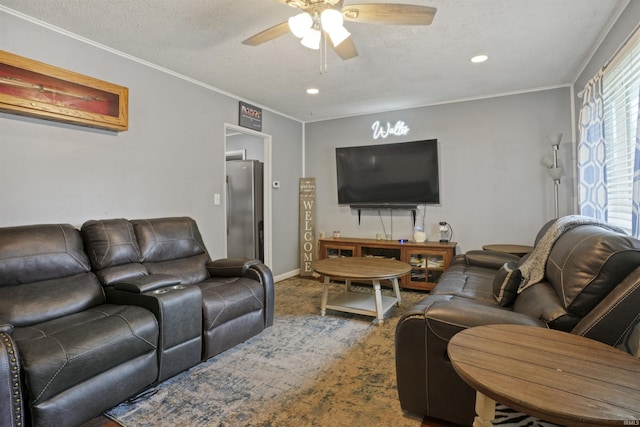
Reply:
x=323, y=53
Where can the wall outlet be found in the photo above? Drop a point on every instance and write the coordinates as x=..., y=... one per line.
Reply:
x=216, y=199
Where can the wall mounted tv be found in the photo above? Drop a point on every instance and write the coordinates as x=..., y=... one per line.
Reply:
x=388, y=175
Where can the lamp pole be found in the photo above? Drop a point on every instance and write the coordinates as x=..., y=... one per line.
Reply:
x=556, y=182
x=555, y=170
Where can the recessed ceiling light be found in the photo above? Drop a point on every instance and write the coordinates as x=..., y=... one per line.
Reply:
x=479, y=58
x=313, y=91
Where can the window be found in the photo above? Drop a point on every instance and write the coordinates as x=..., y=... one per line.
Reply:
x=621, y=88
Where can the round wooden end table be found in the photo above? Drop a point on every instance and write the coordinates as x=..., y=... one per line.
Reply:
x=556, y=376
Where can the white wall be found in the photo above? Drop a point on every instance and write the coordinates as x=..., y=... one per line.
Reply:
x=493, y=186
x=170, y=161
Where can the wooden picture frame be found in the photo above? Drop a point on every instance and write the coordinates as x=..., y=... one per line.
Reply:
x=32, y=88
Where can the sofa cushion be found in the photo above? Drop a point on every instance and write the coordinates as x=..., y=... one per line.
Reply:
x=165, y=239
x=191, y=271
x=541, y=302
x=34, y=253
x=467, y=281
x=110, y=242
x=586, y=263
x=65, y=352
x=505, y=283
x=44, y=274
x=38, y=302
x=228, y=298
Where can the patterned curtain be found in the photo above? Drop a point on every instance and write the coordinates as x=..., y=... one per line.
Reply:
x=592, y=192
x=636, y=180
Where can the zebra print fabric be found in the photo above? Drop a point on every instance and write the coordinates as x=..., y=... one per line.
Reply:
x=507, y=417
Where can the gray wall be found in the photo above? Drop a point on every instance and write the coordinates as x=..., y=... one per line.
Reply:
x=493, y=186
x=169, y=162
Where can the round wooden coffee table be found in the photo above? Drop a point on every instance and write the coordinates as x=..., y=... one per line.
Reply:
x=360, y=268
x=556, y=376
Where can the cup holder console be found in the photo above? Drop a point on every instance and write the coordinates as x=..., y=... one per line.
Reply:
x=168, y=289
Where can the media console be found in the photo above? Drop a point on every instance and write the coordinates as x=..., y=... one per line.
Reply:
x=428, y=260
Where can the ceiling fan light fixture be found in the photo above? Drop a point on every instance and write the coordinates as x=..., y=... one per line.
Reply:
x=300, y=24
x=331, y=19
x=332, y=22
x=311, y=39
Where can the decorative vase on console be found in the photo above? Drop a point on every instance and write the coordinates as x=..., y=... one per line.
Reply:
x=419, y=235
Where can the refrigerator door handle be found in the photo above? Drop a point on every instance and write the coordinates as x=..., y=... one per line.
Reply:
x=228, y=200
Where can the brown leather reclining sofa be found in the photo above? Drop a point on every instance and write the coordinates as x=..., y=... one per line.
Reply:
x=90, y=317
x=590, y=286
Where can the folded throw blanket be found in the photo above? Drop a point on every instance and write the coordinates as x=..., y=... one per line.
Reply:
x=533, y=268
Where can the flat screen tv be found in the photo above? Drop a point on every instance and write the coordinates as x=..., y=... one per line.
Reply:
x=404, y=173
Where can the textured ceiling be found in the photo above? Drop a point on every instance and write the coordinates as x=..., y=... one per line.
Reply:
x=531, y=44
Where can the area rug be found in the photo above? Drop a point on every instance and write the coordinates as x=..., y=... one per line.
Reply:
x=306, y=370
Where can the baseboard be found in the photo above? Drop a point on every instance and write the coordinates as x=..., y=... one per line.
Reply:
x=283, y=276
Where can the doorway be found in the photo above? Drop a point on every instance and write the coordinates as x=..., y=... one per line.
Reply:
x=247, y=144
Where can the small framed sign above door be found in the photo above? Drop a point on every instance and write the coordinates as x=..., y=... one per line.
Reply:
x=250, y=116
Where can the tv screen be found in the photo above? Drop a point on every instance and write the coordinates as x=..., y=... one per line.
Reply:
x=404, y=173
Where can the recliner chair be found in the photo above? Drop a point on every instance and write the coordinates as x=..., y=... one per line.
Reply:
x=237, y=295
x=79, y=354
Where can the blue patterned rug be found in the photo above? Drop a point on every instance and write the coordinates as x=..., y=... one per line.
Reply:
x=306, y=370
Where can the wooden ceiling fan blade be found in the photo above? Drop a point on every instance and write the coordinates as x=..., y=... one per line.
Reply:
x=268, y=34
x=346, y=49
x=389, y=13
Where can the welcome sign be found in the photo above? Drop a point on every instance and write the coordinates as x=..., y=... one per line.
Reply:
x=307, y=225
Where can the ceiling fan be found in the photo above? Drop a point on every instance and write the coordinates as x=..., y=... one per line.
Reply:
x=322, y=19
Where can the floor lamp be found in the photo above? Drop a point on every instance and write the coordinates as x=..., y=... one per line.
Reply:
x=554, y=169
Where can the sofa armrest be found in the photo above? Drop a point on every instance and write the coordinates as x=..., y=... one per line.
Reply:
x=489, y=259
x=230, y=267
x=178, y=311
x=614, y=317
x=142, y=284
x=252, y=269
x=11, y=394
x=425, y=377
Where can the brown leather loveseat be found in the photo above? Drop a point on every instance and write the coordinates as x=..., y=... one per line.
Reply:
x=89, y=318
x=582, y=278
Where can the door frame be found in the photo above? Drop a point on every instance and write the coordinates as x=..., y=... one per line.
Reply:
x=267, y=196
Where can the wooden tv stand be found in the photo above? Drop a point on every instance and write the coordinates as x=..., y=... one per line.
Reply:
x=428, y=260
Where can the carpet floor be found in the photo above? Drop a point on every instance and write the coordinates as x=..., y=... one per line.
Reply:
x=306, y=370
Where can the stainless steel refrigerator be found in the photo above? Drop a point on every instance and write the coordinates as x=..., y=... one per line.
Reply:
x=245, y=226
